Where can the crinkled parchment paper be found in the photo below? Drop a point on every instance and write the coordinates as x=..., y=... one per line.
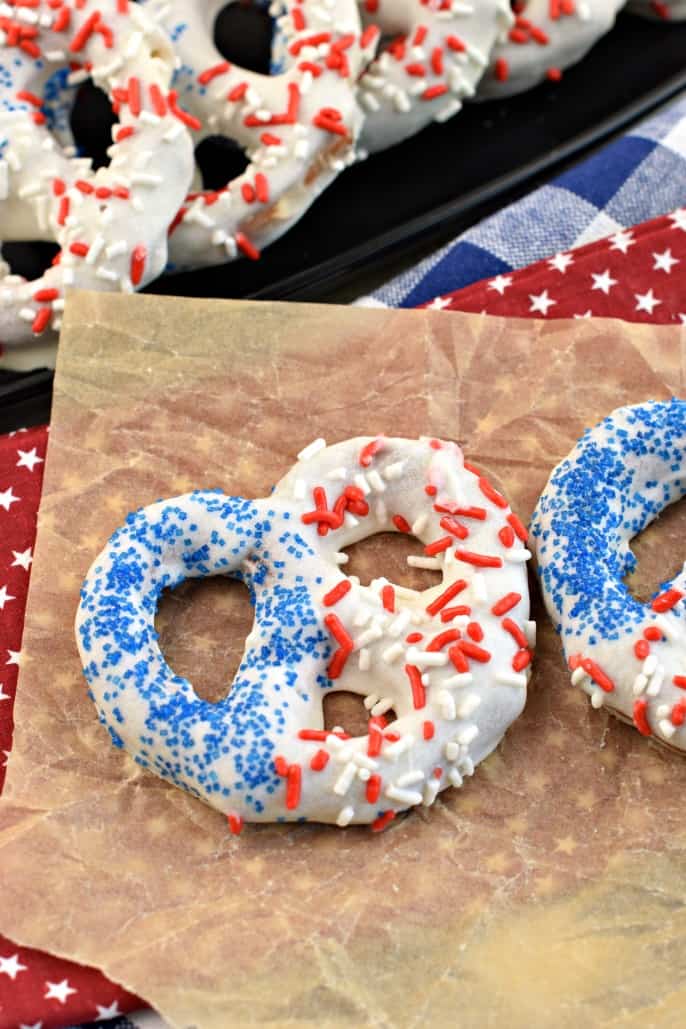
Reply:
x=549, y=891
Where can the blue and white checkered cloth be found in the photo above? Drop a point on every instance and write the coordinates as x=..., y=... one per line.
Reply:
x=636, y=177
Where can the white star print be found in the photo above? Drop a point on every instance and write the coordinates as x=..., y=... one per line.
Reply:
x=678, y=219
x=14, y=657
x=541, y=302
x=664, y=262
x=683, y=319
x=3, y=696
x=622, y=240
x=438, y=304
x=36, y=1025
x=22, y=559
x=28, y=459
x=500, y=283
x=8, y=498
x=646, y=301
x=5, y=597
x=586, y=314
x=603, y=282
x=11, y=966
x=104, y=1013
x=59, y=991
x=7, y=757
x=561, y=262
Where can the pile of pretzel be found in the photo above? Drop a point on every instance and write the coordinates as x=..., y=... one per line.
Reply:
x=348, y=81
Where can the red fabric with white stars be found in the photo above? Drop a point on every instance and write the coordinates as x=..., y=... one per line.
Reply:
x=36, y=989
x=638, y=275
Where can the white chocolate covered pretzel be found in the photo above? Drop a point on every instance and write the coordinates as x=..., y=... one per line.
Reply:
x=111, y=224
x=452, y=662
x=298, y=128
x=627, y=656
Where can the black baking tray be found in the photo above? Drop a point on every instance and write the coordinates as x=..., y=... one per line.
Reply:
x=409, y=199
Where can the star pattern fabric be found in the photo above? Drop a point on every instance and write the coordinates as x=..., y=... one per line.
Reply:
x=36, y=990
x=638, y=275
x=632, y=179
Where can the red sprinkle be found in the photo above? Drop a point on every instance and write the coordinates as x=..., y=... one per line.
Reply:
x=473, y=651
x=212, y=73
x=680, y=681
x=479, y=560
x=319, y=761
x=641, y=717
x=641, y=649
x=652, y=633
x=373, y=790
x=678, y=713
x=479, y=513
x=418, y=689
x=598, y=675
x=246, y=247
x=382, y=821
x=475, y=632
x=337, y=593
x=666, y=601
x=456, y=528
x=138, y=258
x=492, y=494
x=235, y=824
x=400, y=524
x=452, y=591
x=506, y=603
x=370, y=450
x=458, y=659
x=506, y=536
x=448, y=613
x=519, y=527
x=40, y=322
x=293, y=786
x=521, y=660
x=514, y=631
x=388, y=599
x=414, y=637
x=443, y=639
x=438, y=546
x=428, y=730
x=281, y=766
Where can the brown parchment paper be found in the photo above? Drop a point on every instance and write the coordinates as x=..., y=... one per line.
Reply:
x=549, y=891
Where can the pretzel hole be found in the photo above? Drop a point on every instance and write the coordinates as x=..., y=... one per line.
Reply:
x=220, y=160
x=659, y=551
x=91, y=122
x=347, y=711
x=30, y=259
x=243, y=36
x=202, y=626
x=385, y=555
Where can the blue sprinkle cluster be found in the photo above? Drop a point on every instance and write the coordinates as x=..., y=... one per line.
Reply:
x=178, y=735
x=620, y=476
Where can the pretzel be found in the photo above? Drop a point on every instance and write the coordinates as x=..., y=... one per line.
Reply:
x=298, y=128
x=452, y=661
x=627, y=656
x=111, y=224
x=547, y=37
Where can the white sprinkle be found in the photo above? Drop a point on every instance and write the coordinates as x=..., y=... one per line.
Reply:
x=454, y=777
x=382, y=706
x=655, y=684
x=597, y=698
x=668, y=627
x=134, y=44
x=299, y=489
x=530, y=633
x=4, y=180
x=27, y=314
x=430, y=792
x=432, y=563
x=400, y=622
x=337, y=473
x=371, y=700
x=341, y=558
x=394, y=750
x=364, y=660
x=95, y=249
x=666, y=728
x=411, y=778
x=459, y=680
x=451, y=750
x=313, y=448
x=578, y=676
x=393, y=471
x=468, y=705
x=640, y=683
x=446, y=705
x=381, y=511
x=649, y=665
x=361, y=482
x=518, y=556
x=364, y=775
x=408, y=797
x=375, y=481
x=345, y=779
x=106, y=274
x=426, y=658
x=511, y=678
x=374, y=632
x=116, y=249
x=345, y=816
x=364, y=761
x=392, y=653
x=479, y=589
x=420, y=524
x=466, y=765
x=465, y=736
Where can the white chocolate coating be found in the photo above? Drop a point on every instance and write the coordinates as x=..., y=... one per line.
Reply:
x=455, y=684
x=627, y=656
x=298, y=128
x=437, y=57
x=111, y=224
x=548, y=36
